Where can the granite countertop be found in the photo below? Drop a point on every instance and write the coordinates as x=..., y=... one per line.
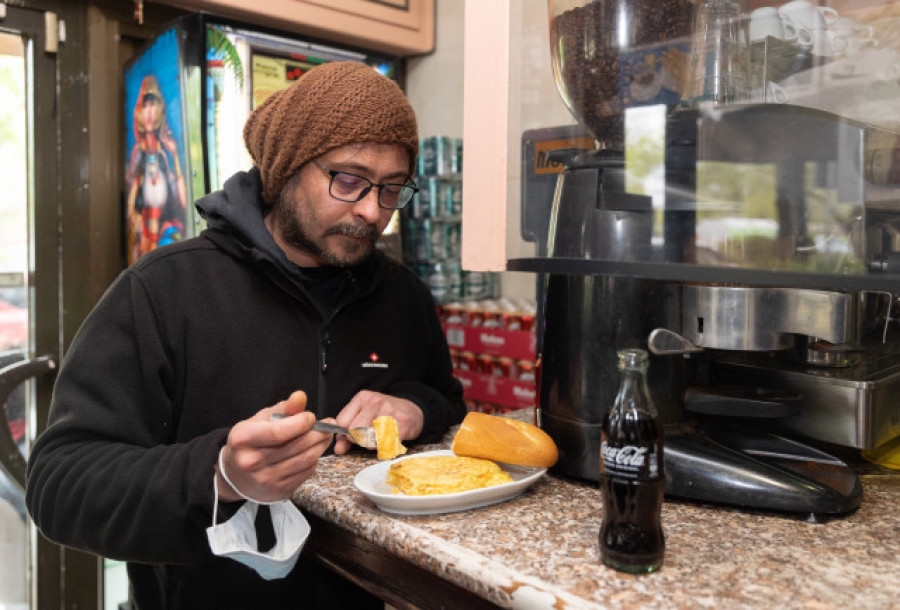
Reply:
x=540, y=550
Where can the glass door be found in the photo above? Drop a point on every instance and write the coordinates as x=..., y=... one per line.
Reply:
x=34, y=573
x=14, y=320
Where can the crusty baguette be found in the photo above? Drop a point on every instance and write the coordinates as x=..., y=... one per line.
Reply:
x=504, y=440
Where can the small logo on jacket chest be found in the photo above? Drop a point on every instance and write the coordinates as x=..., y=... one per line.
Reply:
x=373, y=362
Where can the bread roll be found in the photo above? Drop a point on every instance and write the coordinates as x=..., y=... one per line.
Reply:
x=504, y=440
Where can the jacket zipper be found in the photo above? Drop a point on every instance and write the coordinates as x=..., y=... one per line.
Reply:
x=324, y=342
x=323, y=368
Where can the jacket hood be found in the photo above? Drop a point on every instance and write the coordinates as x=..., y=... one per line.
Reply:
x=237, y=208
x=236, y=224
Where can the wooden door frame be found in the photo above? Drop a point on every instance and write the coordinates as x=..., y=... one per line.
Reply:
x=61, y=577
x=78, y=163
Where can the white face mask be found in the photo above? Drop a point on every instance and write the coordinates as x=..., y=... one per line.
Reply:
x=236, y=538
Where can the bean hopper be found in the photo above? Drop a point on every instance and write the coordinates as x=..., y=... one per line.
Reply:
x=752, y=246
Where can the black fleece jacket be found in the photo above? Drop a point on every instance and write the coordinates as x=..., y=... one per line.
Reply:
x=186, y=342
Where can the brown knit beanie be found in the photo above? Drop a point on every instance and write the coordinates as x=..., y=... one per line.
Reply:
x=332, y=105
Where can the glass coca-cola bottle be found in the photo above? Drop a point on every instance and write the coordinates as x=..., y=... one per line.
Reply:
x=632, y=481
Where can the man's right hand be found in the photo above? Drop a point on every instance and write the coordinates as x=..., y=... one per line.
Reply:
x=267, y=460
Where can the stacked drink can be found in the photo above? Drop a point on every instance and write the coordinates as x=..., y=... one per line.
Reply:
x=431, y=225
x=502, y=314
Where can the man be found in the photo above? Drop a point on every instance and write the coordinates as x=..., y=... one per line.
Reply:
x=171, y=382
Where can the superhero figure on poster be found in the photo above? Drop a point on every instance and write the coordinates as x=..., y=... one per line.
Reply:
x=157, y=194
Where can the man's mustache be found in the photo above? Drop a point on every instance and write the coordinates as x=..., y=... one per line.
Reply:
x=356, y=231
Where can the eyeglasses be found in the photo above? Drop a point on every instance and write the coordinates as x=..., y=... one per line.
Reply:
x=351, y=188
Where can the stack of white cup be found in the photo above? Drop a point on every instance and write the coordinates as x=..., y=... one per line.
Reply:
x=815, y=20
x=855, y=36
x=821, y=29
x=766, y=22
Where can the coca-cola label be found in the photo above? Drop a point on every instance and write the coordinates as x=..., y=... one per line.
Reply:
x=630, y=461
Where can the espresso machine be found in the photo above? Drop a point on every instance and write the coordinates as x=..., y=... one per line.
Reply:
x=758, y=259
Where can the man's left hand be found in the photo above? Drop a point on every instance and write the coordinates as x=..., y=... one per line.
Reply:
x=367, y=405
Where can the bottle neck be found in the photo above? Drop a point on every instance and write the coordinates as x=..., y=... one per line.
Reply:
x=633, y=393
x=633, y=374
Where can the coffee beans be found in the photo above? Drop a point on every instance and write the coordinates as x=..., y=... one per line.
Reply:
x=586, y=45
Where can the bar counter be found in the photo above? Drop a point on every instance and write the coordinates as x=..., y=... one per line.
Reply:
x=540, y=550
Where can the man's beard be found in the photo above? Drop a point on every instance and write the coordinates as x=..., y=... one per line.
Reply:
x=298, y=224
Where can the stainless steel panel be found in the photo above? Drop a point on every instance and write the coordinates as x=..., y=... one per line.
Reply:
x=762, y=319
x=857, y=412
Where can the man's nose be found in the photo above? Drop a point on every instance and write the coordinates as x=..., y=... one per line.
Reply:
x=367, y=208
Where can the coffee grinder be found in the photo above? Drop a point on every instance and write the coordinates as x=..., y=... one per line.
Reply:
x=760, y=275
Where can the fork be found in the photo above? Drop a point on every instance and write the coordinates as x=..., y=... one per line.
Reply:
x=364, y=437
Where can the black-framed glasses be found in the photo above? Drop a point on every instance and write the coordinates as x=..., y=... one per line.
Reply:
x=351, y=188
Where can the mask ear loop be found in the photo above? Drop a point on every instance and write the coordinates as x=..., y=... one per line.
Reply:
x=236, y=490
x=215, y=498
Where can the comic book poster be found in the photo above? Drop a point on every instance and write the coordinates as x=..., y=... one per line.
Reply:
x=156, y=193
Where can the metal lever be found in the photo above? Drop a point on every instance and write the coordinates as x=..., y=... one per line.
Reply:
x=11, y=458
x=664, y=342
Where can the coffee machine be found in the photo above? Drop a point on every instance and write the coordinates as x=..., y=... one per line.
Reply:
x=758, y=260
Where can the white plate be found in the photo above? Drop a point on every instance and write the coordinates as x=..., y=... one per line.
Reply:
x=371, y=482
